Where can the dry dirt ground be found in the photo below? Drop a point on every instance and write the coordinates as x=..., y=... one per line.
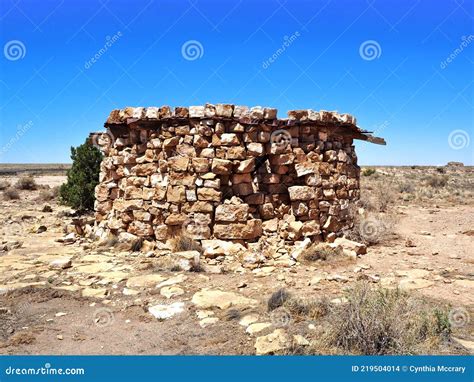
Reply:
x=99, y=305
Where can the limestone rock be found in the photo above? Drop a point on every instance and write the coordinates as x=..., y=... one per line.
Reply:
x=272, y=343
x=164, y=311
x=209, y=298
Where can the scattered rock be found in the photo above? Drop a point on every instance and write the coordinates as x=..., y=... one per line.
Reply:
x=207, y=298
x=350, y=245
x=61, y=263
x=163, y=311
x=41, y=229
x=469, y=345
x=145, y=281
x=274, y=342
x=173, y=280
x=257, y=327
x=208, y=321
x=171, y=291
x=411, y=284
x=338, y=278
x=94, y=292
x=300, y=340
x=248, y=319
x=47, y=208
x=409, y=243
x=204, y=314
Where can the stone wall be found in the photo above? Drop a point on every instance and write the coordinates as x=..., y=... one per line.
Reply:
x=227, y=172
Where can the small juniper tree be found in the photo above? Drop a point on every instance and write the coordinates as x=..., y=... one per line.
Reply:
x=78, y=191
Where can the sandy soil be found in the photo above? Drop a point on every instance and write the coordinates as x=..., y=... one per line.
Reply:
x=88, y=308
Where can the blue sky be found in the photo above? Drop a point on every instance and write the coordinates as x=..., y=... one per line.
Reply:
x=403, y=68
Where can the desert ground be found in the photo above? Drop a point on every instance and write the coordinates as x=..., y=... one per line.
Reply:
x=65, y=294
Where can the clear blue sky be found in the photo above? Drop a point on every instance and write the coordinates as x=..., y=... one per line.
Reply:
x=402, y=86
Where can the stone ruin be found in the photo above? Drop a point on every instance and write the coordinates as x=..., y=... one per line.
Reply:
x=227, y=172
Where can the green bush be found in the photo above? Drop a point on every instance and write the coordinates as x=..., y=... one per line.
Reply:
x=368, y=171
x=78, y=191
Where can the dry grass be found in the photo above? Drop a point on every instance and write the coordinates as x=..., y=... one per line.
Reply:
x=371, y=228
x=11, y=194
x=436, y=181
x=323, y=252
x=46, y=195
x=370, y=321
x=382, y=321
x=4, y=185
x=452, y=185
x=182, y=242
x=277, y=299
x=26, y=183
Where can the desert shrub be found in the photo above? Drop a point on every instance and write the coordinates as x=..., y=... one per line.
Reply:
x=371, y=228
x=307, y=308
x=437, y=181
x=321, y=251
x=82, y=177
x=26, y=183
x=48, y=194
x=382, y=321
x=11, y=194
x=4, y=185
x=137, y=245
x=277, y=299
x=196, y=266
x=384, y=197
x=181, y=242
x=406, y=188
x=368, y=171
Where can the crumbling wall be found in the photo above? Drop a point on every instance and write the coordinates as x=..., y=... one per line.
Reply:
x=227, y=172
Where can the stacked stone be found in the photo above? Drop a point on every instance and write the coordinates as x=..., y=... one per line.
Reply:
x=227, y=172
